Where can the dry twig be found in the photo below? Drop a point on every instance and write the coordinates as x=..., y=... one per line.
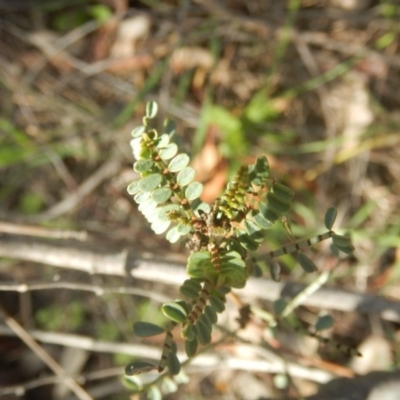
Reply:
x=90, y=259
x=27, y=338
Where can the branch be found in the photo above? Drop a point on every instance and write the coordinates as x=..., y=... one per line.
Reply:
x=85, y=287
x=107, y=170
x=20, y=389
x=208, y=361
x=18, y=229
x=95, y=259
x=27, y=338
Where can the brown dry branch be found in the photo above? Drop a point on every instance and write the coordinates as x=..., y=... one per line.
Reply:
x=267, y=361
x=106, y=171
x=94, y=259
x=19, y=390
x=96, y=289
x=349, y=49
x=39, y=231
x=27, y=338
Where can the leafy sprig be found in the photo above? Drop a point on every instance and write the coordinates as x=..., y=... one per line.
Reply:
x=221, y=237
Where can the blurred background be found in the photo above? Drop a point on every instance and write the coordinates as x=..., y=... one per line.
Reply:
x=312, y=84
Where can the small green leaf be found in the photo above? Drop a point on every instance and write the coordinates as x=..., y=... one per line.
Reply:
x=184, y=304
x=232, y=274
x=267, y=213
x=148, y=207
x=133, y=187
x=330, y=217
x=168, y=385
x=185, y=176
x=141, y=197
x=190, y=288
x=282, y=191
x=259, y=172
x=217, y=304
x=211, y=314
x=138, y=131
x=169, y=151
x=183, y=229
x=247, y=242
x=278, y=204
x=143, y=165
x=179, y=162
x=191, y=347
x=341, y=241
x=224, y=290
x=234, y=245
x=200, y=265
x=279, y=306
x=146, y=329
x=150, y=182
x=163, y=141
x=203, y=333
x=261, y=221
x=160, y=227
x=335, y=251
x=174, y=366
x=346, y=249
x=154, y=393
x=193, y=191
x=169, y=127
x=306, y=263
x=324, y=322
x=251, y=227
x=137, y=147
x=175, y=312
x=196, y=285
x=148, y=210
x=198, y=205
x=187, y=332
x=173, y=235
x=132, y=383
x=257, y=271
x=139, y=367
x=275, y=270
x=205, y=321
x=151, y=109
x=161, y=195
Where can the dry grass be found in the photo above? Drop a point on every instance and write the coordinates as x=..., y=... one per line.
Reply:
x=311, y=85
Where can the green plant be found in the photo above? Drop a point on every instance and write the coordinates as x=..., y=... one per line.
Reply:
x=222, y=237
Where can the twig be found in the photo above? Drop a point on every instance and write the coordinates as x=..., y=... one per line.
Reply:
x=39, y=231
x=97, y=260
x=59, y=45
x=25, y=336
x=99, y=291
x=109, y=169
x=308, y=290
x=208, y=361
x=19, y=390
x=350, y=49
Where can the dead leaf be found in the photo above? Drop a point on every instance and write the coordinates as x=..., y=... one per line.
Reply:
x=211, y=168
x=128, y=33
x=186, y=58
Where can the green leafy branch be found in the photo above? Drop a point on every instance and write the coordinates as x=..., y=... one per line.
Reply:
x=221, y=237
